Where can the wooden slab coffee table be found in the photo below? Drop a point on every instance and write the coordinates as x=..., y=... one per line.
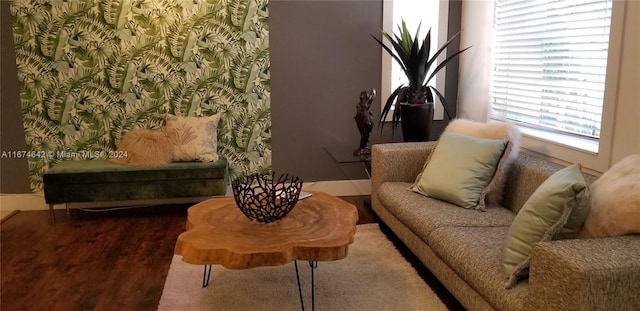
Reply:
x=319, y=228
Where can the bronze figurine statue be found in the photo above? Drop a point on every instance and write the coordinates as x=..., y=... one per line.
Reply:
x=364, y=121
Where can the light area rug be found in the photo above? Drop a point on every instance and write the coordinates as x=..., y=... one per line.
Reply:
x=374, y=276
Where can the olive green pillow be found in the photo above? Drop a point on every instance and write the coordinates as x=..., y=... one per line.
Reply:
x=556, y=210
x=462, y=169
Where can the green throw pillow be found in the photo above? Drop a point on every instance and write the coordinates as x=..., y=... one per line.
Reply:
x=556, y=210
x=461, y=169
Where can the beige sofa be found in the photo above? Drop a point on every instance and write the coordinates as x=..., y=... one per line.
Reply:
x=463, y=248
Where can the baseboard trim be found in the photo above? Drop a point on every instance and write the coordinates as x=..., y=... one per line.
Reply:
x=341, y=187
x=24, y=202
x=35, y=201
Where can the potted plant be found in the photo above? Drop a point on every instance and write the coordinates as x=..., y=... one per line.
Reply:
x=415, y=100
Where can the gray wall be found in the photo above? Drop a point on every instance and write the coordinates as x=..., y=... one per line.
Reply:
x=14, y=172
x=322, y=57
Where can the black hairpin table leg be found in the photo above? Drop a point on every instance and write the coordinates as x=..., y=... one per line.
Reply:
x=207, y=275
x=313, y=265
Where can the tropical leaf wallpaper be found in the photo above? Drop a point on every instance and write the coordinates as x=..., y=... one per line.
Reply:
x=89, y=71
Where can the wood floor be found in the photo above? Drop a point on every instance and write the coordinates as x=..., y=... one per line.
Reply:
x=115, y=260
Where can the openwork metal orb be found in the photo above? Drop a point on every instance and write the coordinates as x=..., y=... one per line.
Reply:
x=263, y=198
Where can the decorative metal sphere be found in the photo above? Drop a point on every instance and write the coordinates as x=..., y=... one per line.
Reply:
x=263, y=198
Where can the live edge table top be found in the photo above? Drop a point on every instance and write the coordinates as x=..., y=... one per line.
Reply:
x=319, y=228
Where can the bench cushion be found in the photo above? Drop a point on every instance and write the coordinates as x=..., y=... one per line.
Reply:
x=100, y=180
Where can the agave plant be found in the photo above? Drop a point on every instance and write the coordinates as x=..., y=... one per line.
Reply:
x=419, y=67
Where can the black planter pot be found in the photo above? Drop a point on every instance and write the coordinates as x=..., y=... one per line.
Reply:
x=416, y=121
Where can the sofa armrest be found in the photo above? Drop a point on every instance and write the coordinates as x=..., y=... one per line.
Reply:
x=397, y=162
x=586, y=274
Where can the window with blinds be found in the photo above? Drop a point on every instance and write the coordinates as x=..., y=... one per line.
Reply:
x=549, y=64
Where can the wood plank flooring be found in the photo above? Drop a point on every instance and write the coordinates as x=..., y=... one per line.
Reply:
x=115, y=260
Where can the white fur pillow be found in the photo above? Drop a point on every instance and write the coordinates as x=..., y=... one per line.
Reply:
x=145, y=148
x=491, y=130
x=615, y=201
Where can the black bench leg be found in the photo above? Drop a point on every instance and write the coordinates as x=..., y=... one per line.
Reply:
x=53, y=215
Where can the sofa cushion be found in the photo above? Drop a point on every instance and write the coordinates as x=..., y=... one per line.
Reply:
x=462, y=169
x=475, y=254
x=423, y=214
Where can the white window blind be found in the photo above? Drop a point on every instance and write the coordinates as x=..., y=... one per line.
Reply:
x=549, y=63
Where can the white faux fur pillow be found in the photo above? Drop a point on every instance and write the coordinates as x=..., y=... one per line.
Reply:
x=615, y=201
x=491, y=130
x=144, y=147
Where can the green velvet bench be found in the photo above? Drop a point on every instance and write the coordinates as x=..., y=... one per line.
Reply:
x=98, y=180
